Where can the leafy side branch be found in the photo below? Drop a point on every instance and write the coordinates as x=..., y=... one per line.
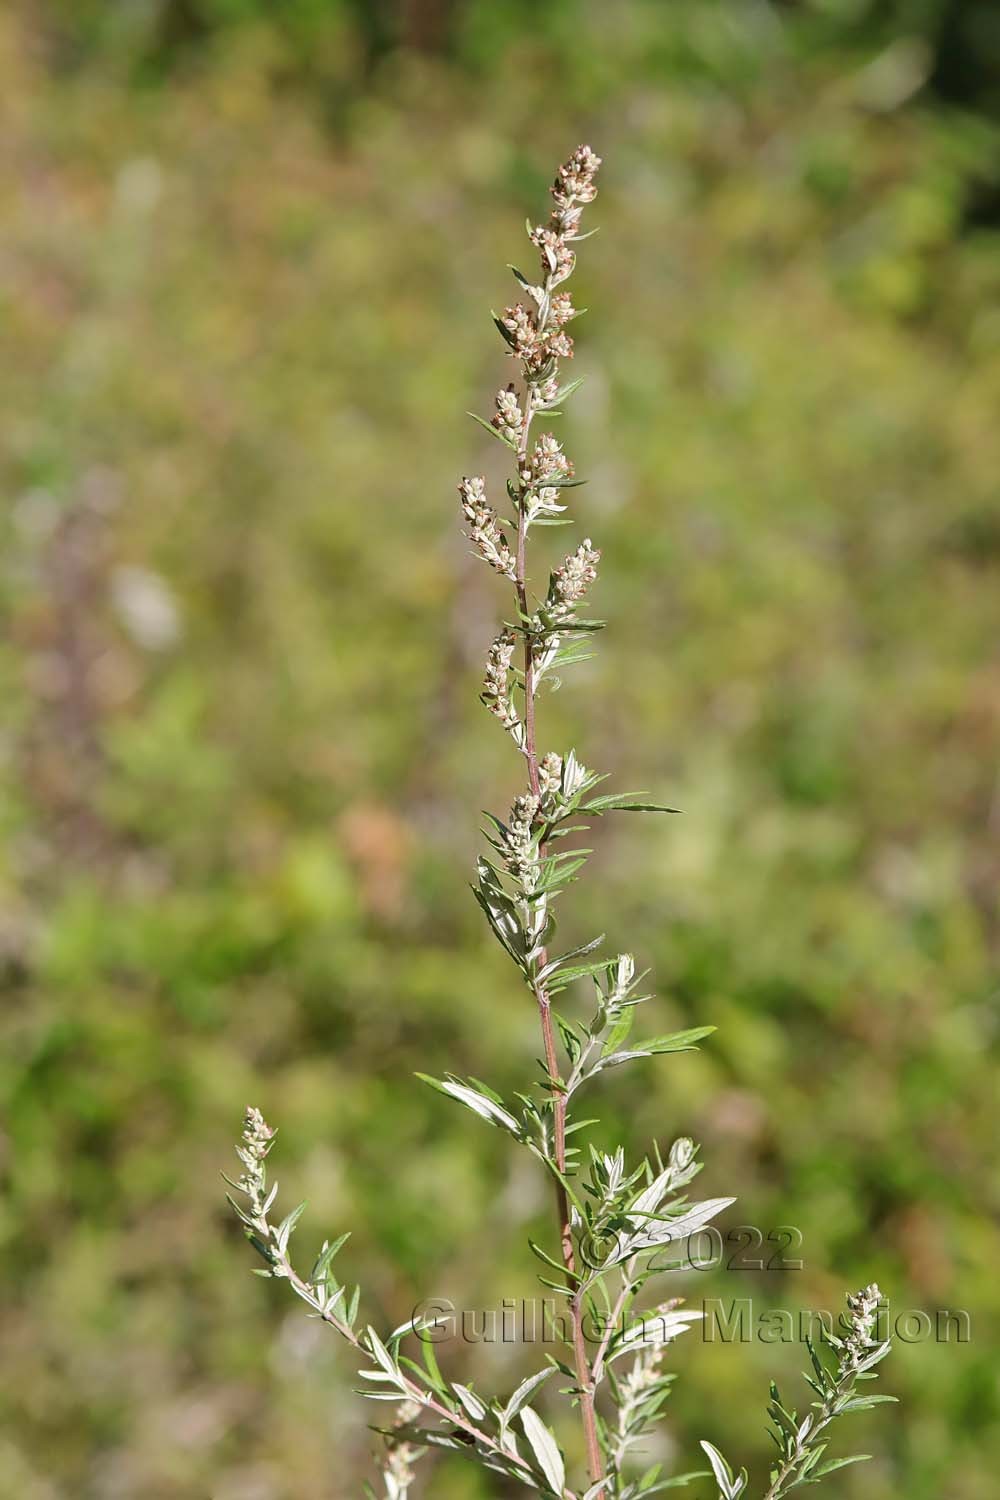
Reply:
x=618, y=1227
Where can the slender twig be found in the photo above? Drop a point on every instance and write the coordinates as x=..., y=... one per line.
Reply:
x=597, y=1367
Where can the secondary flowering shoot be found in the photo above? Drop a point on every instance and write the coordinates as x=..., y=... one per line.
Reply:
x=484, y=529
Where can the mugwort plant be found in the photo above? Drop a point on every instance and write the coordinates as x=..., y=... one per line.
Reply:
x=619, y=1226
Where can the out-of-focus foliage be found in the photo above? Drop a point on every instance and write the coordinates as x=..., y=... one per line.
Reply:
x=242, y=751
x=957, y=42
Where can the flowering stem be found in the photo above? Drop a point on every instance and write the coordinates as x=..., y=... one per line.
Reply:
x=858, y=1352
x=271, y=1242
x=583, y=1372
x=530, y=748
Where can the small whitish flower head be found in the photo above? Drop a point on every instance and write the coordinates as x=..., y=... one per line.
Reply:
x=550, y=774
x=498, y=660
x=496, y=689
x=863, y=1305
x=547, y=391
x=522, y=326
x=575, y=178
x=561, y=309
x=509, y=419
x=255, y=1143
x=571, y=579
x=398, y=1470
x=567, y=220
x=528, y=343
x=863, y=1308
x=257, y=1133
x=542, y=502
x=484, y=529
x=652, y=1333
x=521, y=850
x=522, y=814
x=559, y=345
x=558, y=260
x=546, y=462
x=473, y=491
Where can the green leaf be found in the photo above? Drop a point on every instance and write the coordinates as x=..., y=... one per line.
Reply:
x=522, y=1393
x=624, y=802
x=504, y=332
x=729, y=1487
x=321, y=1268
x=862, y=1403
x=676, y=1481
x=546, y=1259
x=545, y=1449
x=493, y=431
x=619, y=1031
x=838, y=1463
x=380, y=1353
x=570, y=1040
x=287, y=1225
x=520, y=277
x=677, y=1041
x=578, y=971
x=555, y=964
x=480, y=1104
x=470, y=1401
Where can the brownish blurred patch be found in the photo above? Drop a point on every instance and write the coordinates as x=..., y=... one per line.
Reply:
x=377, y=843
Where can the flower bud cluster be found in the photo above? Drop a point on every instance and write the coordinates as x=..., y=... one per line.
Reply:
x=861, y=1339
x=524, y=335
x=496, y=682
x=398, y=1472
x=572, y=578
x=535, y=345
x=255, y=1143
x=509, y=419
x=574, y=181
x=561, y=309
x=538, y=339
x=550, y=769
x=484, y=529
x=541, y=502
x=521, y=856
x=573, y=187
x=546, y=462
x=558, y=259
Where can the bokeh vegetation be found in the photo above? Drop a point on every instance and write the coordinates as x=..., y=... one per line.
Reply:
x=247, y=268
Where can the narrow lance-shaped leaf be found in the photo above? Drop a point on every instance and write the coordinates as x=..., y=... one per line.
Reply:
x=480, y=1104
x=545, y=1449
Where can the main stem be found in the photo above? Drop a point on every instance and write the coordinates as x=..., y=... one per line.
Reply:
x=583, y=1372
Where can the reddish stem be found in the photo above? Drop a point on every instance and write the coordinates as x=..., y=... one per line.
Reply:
x=583, y=1371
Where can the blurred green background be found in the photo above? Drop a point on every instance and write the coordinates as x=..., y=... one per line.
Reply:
x=249, y=253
